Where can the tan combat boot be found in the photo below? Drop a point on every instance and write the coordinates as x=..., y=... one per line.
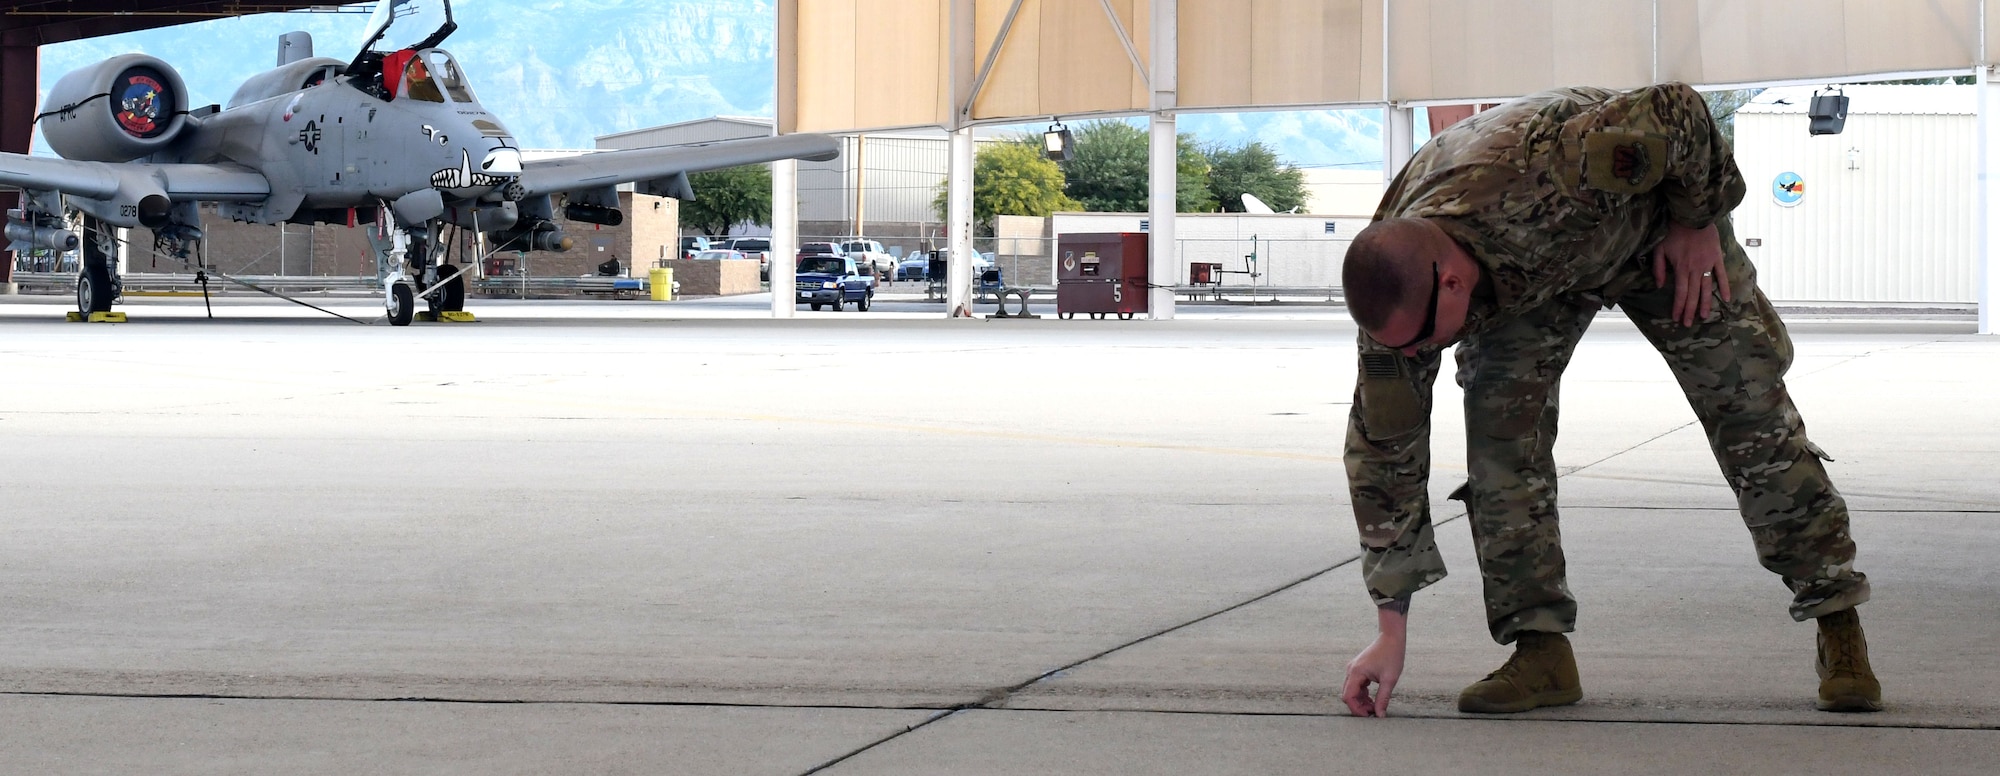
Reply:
x=1846, y=682
x=1542, y=672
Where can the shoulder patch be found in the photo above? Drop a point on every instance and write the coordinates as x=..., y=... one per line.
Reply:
x=1622, y=162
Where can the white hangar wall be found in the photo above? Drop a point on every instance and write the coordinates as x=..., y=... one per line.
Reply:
x=1887, y=211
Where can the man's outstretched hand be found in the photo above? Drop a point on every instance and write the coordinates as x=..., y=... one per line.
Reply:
x=1381, y=664
x=1694, y=258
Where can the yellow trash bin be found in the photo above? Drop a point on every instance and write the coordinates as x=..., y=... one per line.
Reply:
x=662, y=281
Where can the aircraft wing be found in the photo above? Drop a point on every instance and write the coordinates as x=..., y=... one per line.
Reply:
x=105, y=180
x=609, y=168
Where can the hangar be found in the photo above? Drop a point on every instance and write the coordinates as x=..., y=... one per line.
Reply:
x=26, y=26
x=966, y=63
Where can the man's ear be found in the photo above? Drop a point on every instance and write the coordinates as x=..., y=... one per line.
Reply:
x=1454, y=279
x=1459, y=276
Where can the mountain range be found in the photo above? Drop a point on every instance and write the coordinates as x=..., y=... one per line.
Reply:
x=562, y=72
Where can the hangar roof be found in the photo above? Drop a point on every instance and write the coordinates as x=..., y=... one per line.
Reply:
x=954, y=63
x=40, y=22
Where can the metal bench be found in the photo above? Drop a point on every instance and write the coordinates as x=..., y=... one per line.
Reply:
x=1021, y=293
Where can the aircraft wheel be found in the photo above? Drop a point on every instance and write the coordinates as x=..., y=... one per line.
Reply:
x=863, y=305
x=404, y=305
x=451, y=297
x=94, y=289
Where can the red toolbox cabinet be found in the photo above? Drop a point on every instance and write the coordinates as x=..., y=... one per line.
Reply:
x=1101, y=274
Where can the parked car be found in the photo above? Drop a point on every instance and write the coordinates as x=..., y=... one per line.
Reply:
x=693, y=245
x=871, y=253
x=915, y=266
x=820, y=249
x=985, y=272
x=758, y=248
x=722, y=254
x=834, y=280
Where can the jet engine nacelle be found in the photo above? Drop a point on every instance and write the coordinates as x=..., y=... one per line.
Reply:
x=117, y=110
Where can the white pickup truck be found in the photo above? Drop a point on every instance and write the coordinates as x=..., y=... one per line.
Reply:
x=871, y=253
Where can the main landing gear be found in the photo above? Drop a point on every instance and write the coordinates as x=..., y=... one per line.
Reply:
x=97, y=282
x=414, y=268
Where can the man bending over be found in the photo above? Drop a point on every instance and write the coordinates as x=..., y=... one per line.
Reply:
x=1505, y=235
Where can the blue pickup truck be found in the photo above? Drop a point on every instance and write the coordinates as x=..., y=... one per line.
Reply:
x=834, y=280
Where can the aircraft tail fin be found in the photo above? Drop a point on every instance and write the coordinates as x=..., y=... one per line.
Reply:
x=294, y=46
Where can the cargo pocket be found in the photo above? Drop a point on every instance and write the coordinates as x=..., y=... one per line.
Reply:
x=1390, y=405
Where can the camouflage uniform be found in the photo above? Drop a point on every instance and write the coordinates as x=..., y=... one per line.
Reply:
x=1561, y=198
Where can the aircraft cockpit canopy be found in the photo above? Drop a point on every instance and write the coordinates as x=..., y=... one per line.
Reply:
x=428, y=76
x=445, y=70
x=406, y=71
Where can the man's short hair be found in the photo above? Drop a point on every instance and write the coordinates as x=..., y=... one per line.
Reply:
x=1384, y=269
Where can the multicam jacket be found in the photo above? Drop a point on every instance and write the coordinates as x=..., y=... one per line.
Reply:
x=1561, y=194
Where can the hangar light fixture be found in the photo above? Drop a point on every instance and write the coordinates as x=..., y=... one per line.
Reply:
x=1828, y=112
x=1058, y=144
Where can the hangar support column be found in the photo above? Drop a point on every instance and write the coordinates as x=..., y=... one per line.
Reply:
x=958, y=233
x=1163, y=264
x=784, y=237
x=965, y=83
x=1986, y=241
x=19, y=66
x=1399, y=139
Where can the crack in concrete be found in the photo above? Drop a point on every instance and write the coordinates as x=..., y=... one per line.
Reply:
x=993, y=699
x=940, y=712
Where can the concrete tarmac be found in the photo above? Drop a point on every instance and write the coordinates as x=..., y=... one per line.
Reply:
x=627, y=537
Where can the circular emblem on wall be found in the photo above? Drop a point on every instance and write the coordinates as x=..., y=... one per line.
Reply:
x=141, y=103
x=1788, y=189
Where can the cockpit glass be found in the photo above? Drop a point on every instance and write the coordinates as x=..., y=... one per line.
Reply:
x=447, y=72
x=420, y=83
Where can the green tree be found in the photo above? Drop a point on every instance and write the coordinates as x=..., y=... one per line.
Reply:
x=1011, y=178
x=1108, y=172
x=727, y=197
x=1192, y=193
x=1254, y=170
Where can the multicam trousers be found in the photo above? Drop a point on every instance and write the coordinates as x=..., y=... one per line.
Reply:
x=1731, y=367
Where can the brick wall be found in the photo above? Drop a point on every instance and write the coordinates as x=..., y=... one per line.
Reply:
x=656, y=230
x=651, y=228
x=715, y=278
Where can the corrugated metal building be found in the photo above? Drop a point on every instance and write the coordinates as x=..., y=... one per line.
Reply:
x=1882, y=212
x=882, y=186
